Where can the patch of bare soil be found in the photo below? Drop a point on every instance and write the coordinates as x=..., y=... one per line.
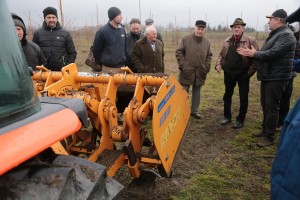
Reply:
x=203, y=141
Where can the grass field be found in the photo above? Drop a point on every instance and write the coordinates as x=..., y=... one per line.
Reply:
x=239, y=171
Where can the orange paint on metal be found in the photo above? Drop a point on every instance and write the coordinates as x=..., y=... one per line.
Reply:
x=36, y=137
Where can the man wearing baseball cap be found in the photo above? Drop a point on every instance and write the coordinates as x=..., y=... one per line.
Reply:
x=275, y=62
x=194, y=59
x=109, y=43
x=57, y=43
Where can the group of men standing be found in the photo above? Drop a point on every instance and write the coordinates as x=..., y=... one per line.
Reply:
x=239, y=58
x=141, y=52
x=53, y=46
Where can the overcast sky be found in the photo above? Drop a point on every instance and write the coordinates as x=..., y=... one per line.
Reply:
x=182, y=12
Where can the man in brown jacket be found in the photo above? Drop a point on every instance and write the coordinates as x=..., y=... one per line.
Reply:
x=194, y=59
x=148, y=53
x=237, y=69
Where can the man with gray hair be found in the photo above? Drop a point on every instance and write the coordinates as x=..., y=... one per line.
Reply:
x=275, y=62
x=194, y=59
x=150, y=22
x=148, y=53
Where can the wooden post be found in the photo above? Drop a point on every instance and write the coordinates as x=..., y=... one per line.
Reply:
x=61, y=14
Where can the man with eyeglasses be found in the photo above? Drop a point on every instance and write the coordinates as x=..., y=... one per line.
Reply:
x=275, y=62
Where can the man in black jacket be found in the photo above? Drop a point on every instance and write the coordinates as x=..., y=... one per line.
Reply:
x=275, y=61
x=56, y=43
x=133, y=36
x=33, y=53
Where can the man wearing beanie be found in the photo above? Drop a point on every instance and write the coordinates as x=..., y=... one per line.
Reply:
x=33, y=53
x=275, y=62
x=194, y=58
x=109, y=43
x=57, y=43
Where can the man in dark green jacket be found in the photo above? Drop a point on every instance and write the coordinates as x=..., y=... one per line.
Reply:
x=56, y=43
x=194, y=59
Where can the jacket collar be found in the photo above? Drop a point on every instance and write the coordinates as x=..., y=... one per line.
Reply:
x=196, y=38
x=111, y=26
x=145, y=40
x=243, y=38
x=58, y=26
x=278, y=29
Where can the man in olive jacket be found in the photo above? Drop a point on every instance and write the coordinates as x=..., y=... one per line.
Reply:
x=275, y=62
x=56, y=43
x=148, y=53
x=237, y=69
x=194, y=59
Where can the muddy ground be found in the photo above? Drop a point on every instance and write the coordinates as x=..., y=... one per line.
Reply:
x=203, y=141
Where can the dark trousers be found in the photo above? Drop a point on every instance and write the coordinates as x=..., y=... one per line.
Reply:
x=270, y=94
x=285, y=102
x=243, y=84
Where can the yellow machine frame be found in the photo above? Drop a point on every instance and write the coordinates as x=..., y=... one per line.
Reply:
x=167, y=105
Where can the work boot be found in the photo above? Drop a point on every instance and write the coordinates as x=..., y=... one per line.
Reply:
x=238, y=124
x=259, y=134
x=196, y=115
x=226, y=121
x=278, y=128
x=265, y=142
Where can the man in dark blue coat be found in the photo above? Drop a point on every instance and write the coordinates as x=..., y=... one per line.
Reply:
x=285, y=172
x=109, y=43
x=275, y=62
x=55, y=42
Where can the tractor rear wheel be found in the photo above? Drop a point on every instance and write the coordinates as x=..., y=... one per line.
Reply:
x=65, y=177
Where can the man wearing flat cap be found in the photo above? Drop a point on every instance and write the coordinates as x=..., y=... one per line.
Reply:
x=275, y=62
x=237, y=70
x=194, y=59
x=56, y=43
x=109, y=43
x=150, y=22
x=33, y=53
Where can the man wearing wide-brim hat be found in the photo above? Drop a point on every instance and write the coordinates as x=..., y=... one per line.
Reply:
x=274, y=71
x=237, y=70
x=238, y=21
